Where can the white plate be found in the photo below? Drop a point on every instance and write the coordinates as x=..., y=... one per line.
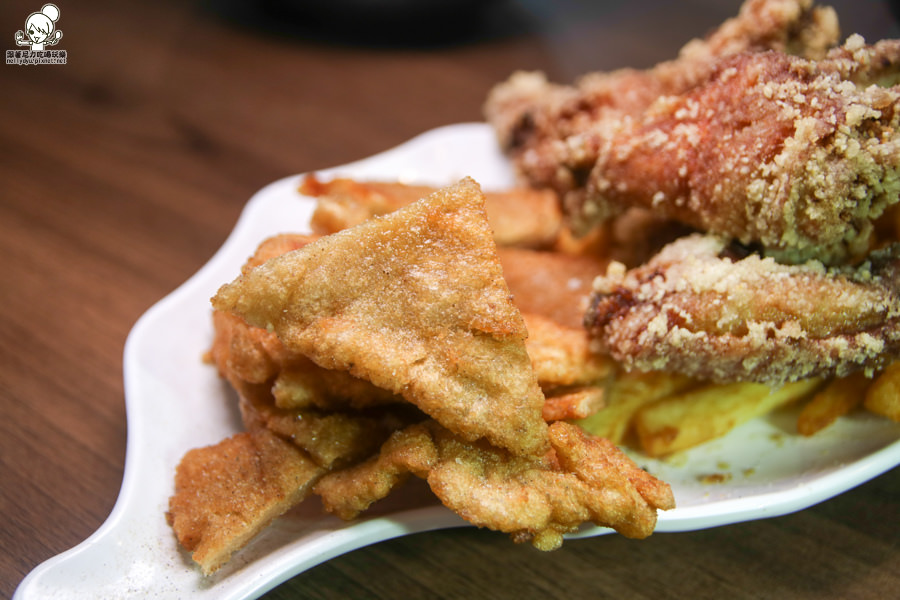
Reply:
x=175, y=402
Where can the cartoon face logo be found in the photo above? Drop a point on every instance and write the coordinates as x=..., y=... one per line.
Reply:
x=40, y=29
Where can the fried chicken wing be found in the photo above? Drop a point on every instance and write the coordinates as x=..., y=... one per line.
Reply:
x=737, y=136
x=414, y=302
x=698, y=309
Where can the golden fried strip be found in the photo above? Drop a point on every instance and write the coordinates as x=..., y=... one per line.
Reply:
x=348, y=492
x=533, y=498
x=331, y=438
x=519, y=217
x=414, y=302
x=247, y=354
x=627, y=393
x=883, y=396
x=228, y=492
x=573, y=403
x=705, y=413
x=242, y=352
x=837, y=398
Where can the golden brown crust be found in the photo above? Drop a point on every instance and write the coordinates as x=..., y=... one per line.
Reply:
x=228, y=492
x=737, y=136
x=533, y=498
x=695, y=310
x=414, y=302
x=520, y=217
x=772, y=149
x=531, y=115
x=553, y=285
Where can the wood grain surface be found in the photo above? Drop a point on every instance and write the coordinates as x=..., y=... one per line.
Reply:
x=122, y=171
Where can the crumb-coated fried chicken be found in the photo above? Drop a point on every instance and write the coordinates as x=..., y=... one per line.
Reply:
x=532, y=115
x=773, y=149
x=698, y=309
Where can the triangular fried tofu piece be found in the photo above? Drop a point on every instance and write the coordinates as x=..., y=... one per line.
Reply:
x=416, y=303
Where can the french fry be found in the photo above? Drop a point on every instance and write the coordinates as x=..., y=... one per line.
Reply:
x=883, y=396
x=628, y=393
x=696, y=416
x=836, y=399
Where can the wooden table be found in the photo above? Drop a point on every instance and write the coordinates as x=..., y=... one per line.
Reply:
x=123, y=171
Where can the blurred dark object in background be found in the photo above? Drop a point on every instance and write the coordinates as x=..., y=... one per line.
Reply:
x=371, y=22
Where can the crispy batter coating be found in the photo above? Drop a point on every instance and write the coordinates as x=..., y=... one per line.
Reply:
x=531, y=115
x=246, y=354
x=555, y=285
x=520, y=217
x=737, y=136
x=332, y=438
x=414, y=302
x=578, y=402
x=228, y=492
x=533, y=498
x=561, y=355
x=772, y=149
x=698, y=309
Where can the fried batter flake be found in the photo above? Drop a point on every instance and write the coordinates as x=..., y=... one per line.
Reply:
x=414, y=302
x=533, y=498
x=228, y=492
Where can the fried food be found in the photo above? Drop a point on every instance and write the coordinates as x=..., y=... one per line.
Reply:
x=772, y=149
x=547, y=282
x=554, y=285
x=246, y=354
x=533, y=118
x=800, y=154
x=562, y=356
x=569, y=403
x=696, y=309
x=837, y=398
x=332, y=438
x=709, y=412
x=883, y=396
x=627, y=393
x=520, y=217
x=535, y=498
x=414, y=302
x=228, y=492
